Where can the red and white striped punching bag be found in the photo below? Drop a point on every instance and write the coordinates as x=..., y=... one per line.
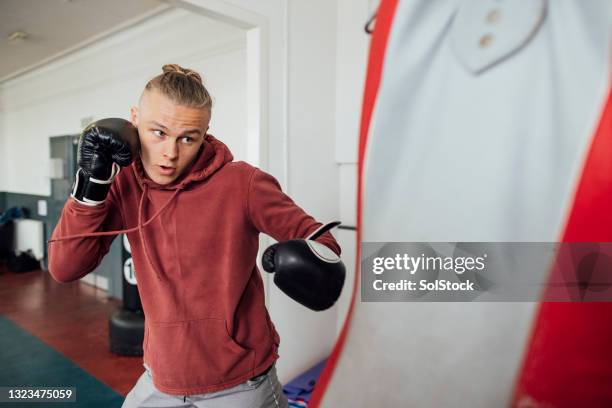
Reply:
x=484, y=121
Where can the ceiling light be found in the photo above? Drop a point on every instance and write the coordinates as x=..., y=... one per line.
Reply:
x=17, y=36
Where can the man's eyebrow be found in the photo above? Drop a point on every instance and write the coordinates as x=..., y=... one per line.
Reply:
x=158, y=125
x=194, y=130
x=184, y=132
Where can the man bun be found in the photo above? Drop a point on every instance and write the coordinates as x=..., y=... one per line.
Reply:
x=169, y=68
x=182, y=85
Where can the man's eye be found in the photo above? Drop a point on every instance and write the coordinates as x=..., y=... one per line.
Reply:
x=158, y=133
x=186, y=139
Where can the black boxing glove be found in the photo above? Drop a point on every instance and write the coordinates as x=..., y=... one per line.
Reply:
x=308, y=272
x=104, y=147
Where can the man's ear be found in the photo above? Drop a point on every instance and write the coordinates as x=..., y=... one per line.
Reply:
x=134, y=115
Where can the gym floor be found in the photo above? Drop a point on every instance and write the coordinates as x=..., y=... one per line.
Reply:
x=71, y=319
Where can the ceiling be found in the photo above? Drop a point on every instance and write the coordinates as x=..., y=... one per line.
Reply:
x=56, y=27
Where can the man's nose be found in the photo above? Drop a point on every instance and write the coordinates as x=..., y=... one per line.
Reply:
x=170, y=149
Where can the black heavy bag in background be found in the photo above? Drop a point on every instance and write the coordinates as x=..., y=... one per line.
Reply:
x=7, y=232
x=22, y=261
x=7, y=229
x=126, y=324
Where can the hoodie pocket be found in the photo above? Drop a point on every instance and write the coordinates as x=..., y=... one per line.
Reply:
x=196, y=353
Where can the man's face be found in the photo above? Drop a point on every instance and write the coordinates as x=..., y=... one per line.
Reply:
x=170, y=135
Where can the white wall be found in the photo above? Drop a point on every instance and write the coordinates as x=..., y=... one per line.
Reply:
x=351, y=64
x=106, y=78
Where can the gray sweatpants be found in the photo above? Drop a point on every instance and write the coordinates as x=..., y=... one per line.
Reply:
x=264, y=391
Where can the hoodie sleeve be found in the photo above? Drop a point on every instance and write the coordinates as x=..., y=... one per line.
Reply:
x=71, y=259
x=274, y=213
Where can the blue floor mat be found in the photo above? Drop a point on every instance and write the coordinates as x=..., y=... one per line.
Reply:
x=25, y=361
x=299, y=390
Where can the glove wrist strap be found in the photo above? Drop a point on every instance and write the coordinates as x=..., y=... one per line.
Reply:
x=322, y=230
x=91, y=191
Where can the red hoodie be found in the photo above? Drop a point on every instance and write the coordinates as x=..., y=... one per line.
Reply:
x=194, y=247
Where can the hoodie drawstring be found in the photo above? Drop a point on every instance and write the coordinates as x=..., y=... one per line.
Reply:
x=139, y=227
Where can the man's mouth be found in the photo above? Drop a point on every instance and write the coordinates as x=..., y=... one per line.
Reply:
x=166, y=170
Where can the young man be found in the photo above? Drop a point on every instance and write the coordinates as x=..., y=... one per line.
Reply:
x=195, y=217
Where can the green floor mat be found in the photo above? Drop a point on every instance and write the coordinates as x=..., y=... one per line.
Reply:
x=25, y=361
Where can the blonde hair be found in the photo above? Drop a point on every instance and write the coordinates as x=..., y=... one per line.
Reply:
x=182, y=85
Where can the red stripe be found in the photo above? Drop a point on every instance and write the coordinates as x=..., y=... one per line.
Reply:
x=569, y=359
x=378, y=46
